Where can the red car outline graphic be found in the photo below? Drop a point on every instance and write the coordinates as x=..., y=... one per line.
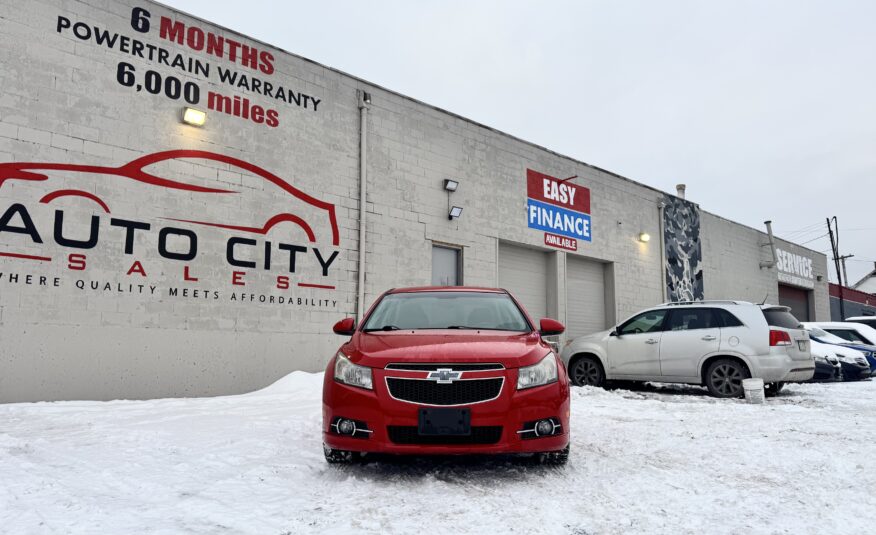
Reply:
x=35, y=171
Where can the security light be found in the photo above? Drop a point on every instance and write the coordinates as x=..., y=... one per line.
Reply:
x=366, y=97
x=450, y=185
x=194, y=117
x=455, y=212
x=644, y=237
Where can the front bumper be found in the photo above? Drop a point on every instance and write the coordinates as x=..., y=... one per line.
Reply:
x=854, y=371
x=510, y=411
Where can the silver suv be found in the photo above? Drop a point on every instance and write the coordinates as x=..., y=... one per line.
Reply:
x=711, y=343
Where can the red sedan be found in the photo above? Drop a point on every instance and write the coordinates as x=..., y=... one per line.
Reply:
x=439, y=370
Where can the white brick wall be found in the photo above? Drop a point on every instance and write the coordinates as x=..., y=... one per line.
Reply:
x=61, y=103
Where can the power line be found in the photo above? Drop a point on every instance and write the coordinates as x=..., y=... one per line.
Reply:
x=813, y=239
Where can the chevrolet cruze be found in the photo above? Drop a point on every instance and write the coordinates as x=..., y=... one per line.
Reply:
x=440, y=370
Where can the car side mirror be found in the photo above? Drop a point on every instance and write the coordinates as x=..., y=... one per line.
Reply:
x=549, y=327
x=345, y=327
x=614, y=332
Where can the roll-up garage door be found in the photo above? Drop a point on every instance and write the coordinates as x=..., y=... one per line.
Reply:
x=524, y=273
x=585, y=296
x=797, y=299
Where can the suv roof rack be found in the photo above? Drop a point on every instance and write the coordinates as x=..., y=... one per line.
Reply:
x=706, y=302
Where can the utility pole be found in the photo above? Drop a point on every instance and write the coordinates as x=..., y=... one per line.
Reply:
x=834, y=245
x=843, y=262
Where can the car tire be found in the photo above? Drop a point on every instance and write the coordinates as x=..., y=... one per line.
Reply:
x=333, y=456
x=587, y=371
x=724, y=378
x=773, y=389
x=554, y=458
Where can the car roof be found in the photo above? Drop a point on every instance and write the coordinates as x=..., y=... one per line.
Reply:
x=416, y=289
x=848, y=325
x=855, y=318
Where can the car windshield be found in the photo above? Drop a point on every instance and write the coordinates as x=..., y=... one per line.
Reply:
x=447, y=310
x=849, y=336
x=780, y=317
x=825, y=336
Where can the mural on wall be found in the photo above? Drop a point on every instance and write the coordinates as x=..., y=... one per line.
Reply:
x=681, y=238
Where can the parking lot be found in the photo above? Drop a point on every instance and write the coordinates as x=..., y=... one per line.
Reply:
x=652, y=460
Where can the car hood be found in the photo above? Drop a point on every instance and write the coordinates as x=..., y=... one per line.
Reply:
x=511, y=349
x=601, y=335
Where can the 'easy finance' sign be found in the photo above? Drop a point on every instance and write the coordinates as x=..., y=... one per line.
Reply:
x=559, y=208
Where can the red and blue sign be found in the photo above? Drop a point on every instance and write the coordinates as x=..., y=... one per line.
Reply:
x=558, y=208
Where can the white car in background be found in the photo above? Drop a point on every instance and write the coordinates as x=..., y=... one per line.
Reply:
x=711, y=343
x=854, y=333
x=869, y=321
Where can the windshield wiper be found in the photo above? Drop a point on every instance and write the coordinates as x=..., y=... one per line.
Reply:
x=460, y=327
x=384, y=328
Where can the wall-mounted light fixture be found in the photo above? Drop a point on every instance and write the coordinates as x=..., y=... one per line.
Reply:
x=455, y=212
x=644, y=237
x=194, y=117
x=450, y=185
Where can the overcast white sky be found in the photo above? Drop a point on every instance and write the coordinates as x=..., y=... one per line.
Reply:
x=765, y=109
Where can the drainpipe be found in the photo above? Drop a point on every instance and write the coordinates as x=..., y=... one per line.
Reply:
x=364, y=102
x=772, y=245
x=661, y=206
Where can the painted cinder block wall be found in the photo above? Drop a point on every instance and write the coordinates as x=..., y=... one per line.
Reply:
x=62, y=103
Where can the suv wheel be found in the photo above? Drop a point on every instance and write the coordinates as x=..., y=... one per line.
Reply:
x=586, y=371
x=724, y=378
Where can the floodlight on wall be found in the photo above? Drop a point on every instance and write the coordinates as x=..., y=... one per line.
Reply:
x=194, y=117
x=450, y=185
x=644, y=237
x=455, y=212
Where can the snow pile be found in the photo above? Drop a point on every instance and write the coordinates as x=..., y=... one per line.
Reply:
x=655, y=460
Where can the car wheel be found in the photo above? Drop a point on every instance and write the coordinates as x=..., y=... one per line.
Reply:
x=554, y=458
x=724, y=378
x=587, y=371
x=340, y=456
x=772, y=389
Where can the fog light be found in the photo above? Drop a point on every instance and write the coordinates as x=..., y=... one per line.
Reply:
x=346, y=427
x=544, y=427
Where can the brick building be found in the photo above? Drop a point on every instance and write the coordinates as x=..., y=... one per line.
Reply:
x=141, y=256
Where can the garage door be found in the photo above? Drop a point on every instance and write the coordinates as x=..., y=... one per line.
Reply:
x=797, y=299
x=523, y=272
x=585, y=296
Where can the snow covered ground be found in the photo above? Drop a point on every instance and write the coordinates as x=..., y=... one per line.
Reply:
x=667, y=460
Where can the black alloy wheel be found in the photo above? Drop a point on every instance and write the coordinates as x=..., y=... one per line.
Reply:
x=724, y=378
x=587, y=371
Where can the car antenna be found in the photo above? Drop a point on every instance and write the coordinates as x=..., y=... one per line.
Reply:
x=764, y=299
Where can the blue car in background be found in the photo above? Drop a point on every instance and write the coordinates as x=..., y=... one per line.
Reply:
x=820, y=335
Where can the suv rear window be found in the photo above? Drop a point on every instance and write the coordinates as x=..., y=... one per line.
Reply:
x=779, y=317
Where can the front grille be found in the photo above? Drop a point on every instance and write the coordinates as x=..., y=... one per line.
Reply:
x=457, y=366
x=456, y=393
x=403, y=434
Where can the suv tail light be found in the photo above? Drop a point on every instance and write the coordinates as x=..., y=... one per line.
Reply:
x=779, y=338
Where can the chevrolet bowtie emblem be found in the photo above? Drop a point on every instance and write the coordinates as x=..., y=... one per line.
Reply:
x=444, y=375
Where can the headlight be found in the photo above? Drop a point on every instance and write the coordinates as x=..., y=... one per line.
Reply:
x=819, y=358
x=352, y=374
x=538, y=374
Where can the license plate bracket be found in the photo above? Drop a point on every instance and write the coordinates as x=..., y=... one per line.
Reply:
x=444, y=422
